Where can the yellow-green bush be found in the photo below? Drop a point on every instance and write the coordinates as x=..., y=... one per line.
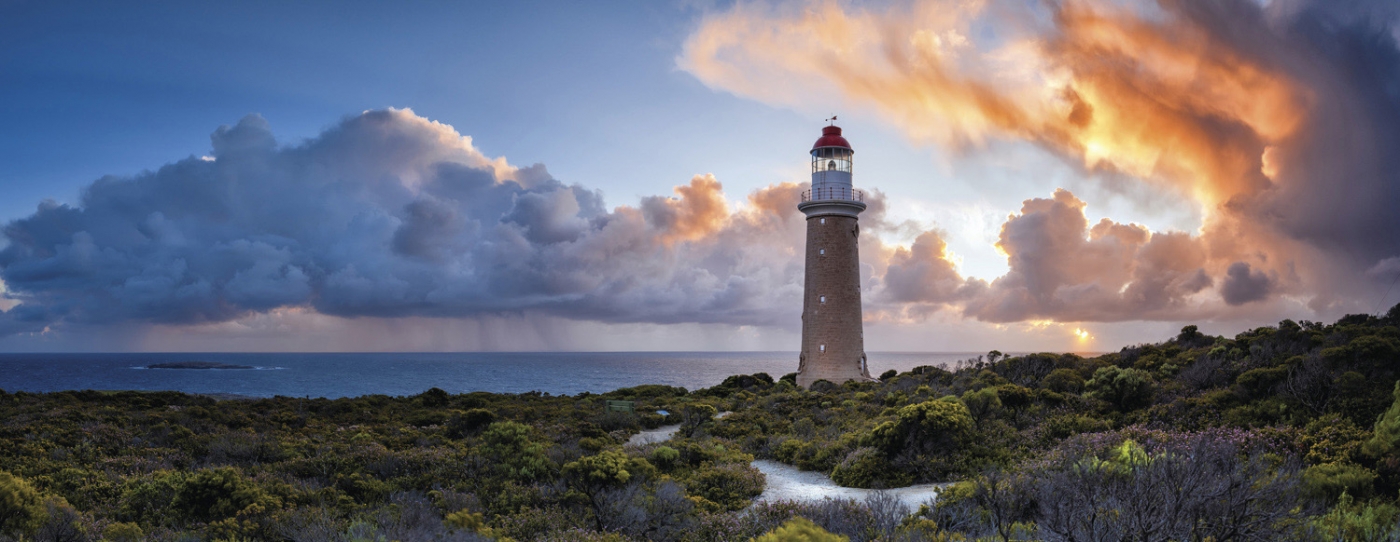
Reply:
x=800, y=530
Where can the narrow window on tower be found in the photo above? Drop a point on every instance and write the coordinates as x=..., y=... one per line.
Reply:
x=821, y=251
x=823, y=348
x=823, y=299
x=823, y=221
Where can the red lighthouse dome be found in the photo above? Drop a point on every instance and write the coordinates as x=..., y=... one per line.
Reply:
x=831, y=137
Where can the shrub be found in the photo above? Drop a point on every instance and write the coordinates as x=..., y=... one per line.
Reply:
x=1014, y=397
x=123, y=532
x=664, y=457
x=21, y=507
x=732, y=486
x=1386, y=434
x=800, y=530
x=1332, y=439
x=1259, y=382
x=927, y=427
x=434, y=398
x=1063, y=381
x=1350, y=520
x=469, y=422
x=868, y=468
x=693, y=416
x=145, y=500
x=609, y=468
x=607, y=479
x=982, y=404
x=1126, y=389
x=215, y=494
x=1330, y=480
x=510, y=448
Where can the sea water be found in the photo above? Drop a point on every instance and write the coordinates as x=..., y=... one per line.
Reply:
x=350, y=375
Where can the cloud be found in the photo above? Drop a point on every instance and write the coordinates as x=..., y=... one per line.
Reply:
x=1243, y=285
x=390, y=215
x=1062, y=268
x=1278, y=119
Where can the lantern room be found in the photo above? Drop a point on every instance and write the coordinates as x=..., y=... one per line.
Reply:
x=831, y=168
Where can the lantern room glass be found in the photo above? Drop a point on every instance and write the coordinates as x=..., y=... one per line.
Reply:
x=831, y=159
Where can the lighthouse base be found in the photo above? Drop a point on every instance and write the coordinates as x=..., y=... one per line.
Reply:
x=835, y=373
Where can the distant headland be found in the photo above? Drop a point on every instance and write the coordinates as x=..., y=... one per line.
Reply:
x=197, y=365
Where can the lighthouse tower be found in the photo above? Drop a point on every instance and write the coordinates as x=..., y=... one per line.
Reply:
x=833, y=338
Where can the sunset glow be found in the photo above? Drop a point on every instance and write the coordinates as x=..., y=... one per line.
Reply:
x=1128, y=165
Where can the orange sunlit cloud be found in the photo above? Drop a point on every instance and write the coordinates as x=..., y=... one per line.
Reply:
x=1155, y=99
x=1209, y=101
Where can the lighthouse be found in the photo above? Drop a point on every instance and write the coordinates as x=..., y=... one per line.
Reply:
x=833, y=337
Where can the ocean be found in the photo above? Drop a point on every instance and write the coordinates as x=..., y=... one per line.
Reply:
x=350, y=375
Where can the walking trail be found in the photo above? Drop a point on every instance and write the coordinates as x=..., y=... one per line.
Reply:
x=788, y=483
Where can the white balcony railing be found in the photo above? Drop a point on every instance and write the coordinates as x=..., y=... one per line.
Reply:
x=833, y=193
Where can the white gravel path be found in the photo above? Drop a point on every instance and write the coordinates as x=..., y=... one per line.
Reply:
x=786, y=482
x=663, y=433
x=649, y=436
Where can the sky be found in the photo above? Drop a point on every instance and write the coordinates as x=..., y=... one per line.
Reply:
x=427, y=176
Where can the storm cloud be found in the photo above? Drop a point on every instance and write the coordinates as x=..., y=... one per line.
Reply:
x=389, y=215
x=1279, y=120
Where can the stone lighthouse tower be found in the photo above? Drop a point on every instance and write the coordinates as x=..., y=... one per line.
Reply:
x=833, y=338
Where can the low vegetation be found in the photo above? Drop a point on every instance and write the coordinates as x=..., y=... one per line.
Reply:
x=1283, y=432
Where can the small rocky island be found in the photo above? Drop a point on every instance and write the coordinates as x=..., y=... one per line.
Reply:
x=197, y=365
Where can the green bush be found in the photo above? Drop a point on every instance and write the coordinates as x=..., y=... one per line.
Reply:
x=732, y=486
x=696, y=415
x=1332, y=439
x=1358, y=522
x=1125, y=389
x=509, y=446
x=21, y=507
x=1385, y=439
x=147, y=499
x=607, y=469
x=469, y=422
x=1014, y=397
x=1330, y=480
x=123, y=532
x=664, y=457
x=434, y=398
x=1063, y=380
x=800, y=530
x=930, y=426
x=215, y=494
x=866, y=467
x=1261, y=381
x=983, y=404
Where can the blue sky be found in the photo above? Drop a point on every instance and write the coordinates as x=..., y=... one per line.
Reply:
x=600, y=94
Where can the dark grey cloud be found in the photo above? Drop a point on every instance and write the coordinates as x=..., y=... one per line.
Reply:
x=1243, y=285
x=1339, y=179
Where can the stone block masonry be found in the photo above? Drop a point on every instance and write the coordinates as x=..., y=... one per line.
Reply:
x=833, y=341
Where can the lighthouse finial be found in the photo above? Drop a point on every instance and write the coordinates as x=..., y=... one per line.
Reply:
x=832, y=120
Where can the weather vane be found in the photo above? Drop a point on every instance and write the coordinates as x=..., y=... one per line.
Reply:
x=832, y=120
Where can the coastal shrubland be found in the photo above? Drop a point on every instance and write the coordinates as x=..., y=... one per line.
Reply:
x=1281, y=432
